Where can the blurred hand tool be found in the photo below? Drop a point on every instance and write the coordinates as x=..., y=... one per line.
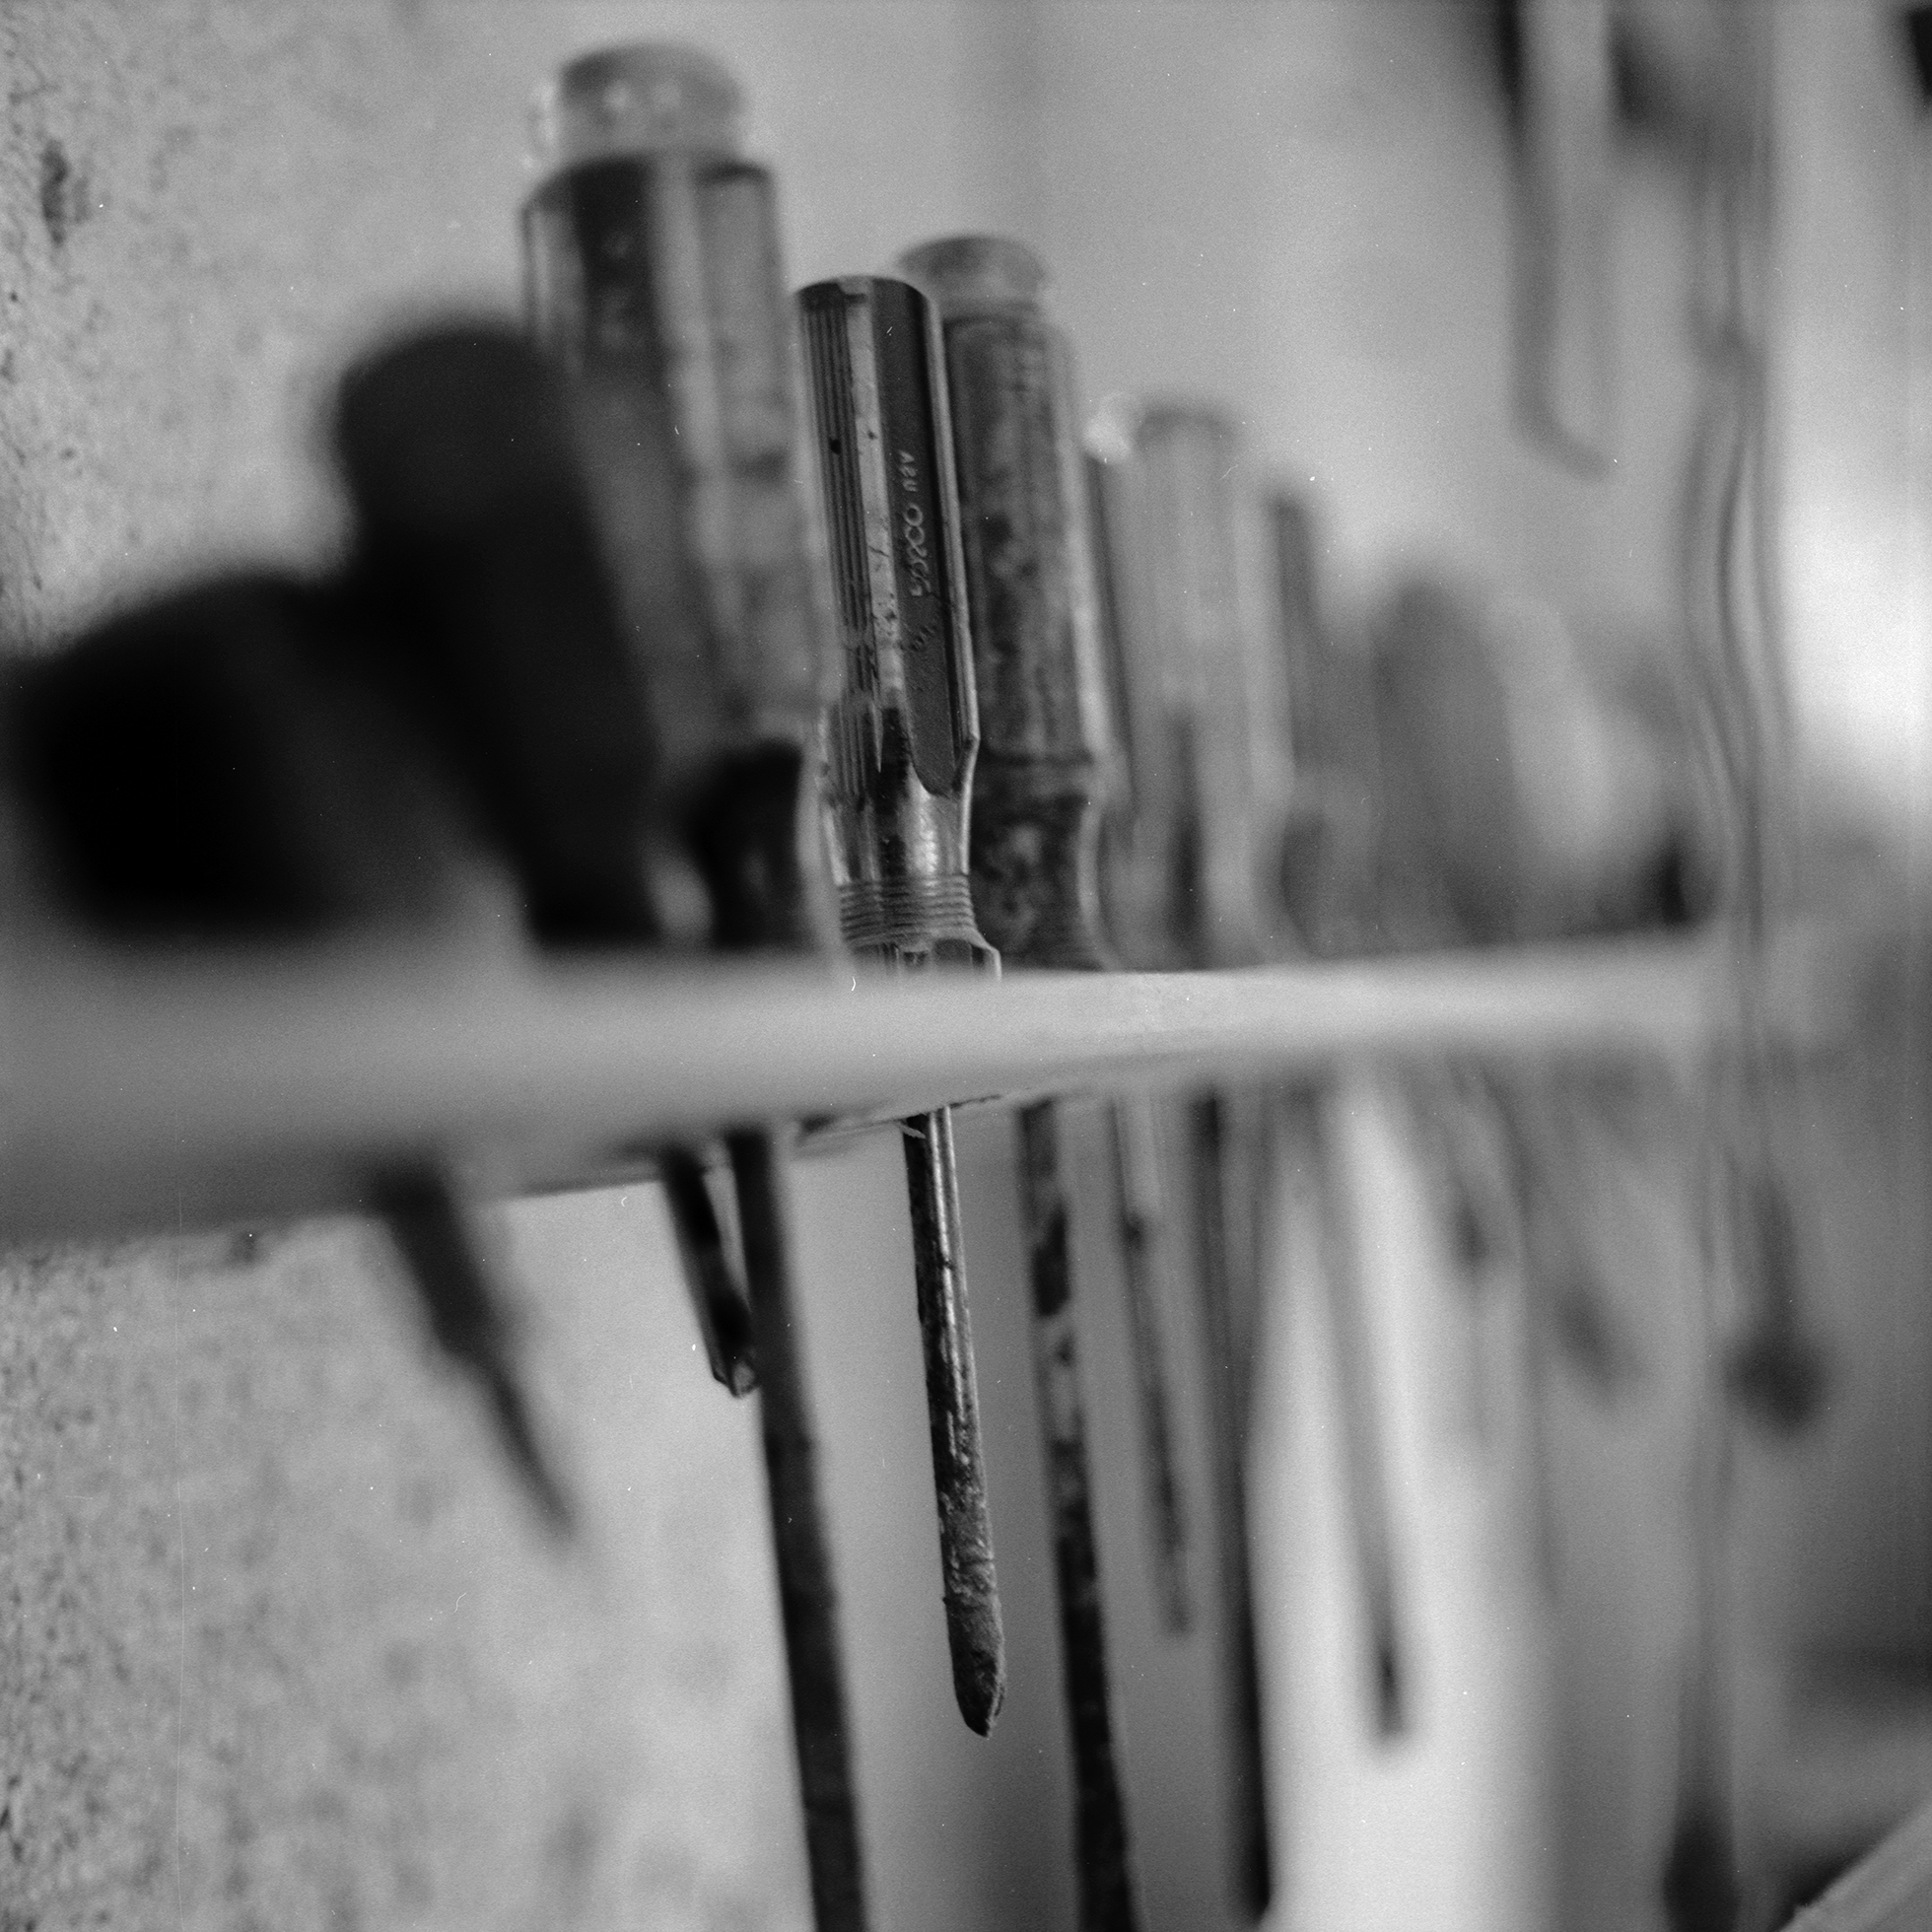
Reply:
x=1733, y=626
x=1327, y=746
x=503, y=629
x=1164, y=476
x=477, y=576
x=258, y=758
x=653, y=276
x=1558, y=79
x=1140, y=849
x=1035, y=822
x=903, y=737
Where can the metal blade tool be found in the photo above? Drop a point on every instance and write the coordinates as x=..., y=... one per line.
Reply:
x=903, y=738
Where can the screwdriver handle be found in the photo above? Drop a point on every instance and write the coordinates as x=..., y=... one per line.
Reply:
x=1029, y=574
x=1145, y=844
x=904, y=733
x=1172, y=479
x=654, y=275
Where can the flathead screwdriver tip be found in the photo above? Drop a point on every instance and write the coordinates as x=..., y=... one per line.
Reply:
x=978, y=1662
x=718, y=1300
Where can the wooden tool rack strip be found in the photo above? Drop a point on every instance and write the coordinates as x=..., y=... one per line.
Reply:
x=153, y=1091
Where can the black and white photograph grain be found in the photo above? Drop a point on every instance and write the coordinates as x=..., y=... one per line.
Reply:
x=966, y=966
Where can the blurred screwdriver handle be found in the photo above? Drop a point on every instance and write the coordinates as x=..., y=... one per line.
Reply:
x=654, y=276
x=1030, y=582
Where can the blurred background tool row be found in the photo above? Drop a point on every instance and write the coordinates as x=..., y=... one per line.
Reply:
x=1514, y=582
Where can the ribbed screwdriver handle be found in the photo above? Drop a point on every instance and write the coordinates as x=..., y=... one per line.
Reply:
x=1036, y=649
x=904, y=734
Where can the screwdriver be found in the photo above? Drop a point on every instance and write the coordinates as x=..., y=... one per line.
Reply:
x=1030, y=598
x=902, y=741
x=1138, y=854
x=1325, y=739
x=1164, y=478
x=652, y=273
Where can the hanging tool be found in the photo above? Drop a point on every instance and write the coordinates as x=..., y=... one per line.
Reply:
x=653, y=276
x=1036, y=661
x=476, y=575
x=903, y=737
x=1140, y=852
x=263, y=759
x=1164, y=477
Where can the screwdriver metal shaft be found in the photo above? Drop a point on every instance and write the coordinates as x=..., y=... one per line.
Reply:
x=653, y=270
x=1043, y=738
x=903, y=739
x=1146, y=1251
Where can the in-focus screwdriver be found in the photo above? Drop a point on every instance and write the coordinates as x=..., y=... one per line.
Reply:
x=654, y=274
x=902, y=741
x=1139, y=851
x=1164, y=476
x=1042, y=708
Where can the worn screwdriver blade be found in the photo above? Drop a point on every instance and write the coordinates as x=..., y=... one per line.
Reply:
x=1240, y=1664
x=903, y=738
x=807, y=1592
x=1101, y=1811
x=454, y=1282
x=1144, y=1249
x=974, y=1631
x=1314, y=1136
x=723, y=1315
